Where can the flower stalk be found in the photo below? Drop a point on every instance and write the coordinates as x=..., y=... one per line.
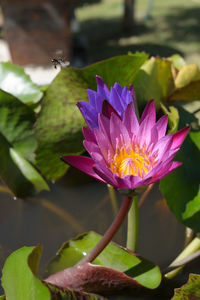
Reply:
x=132, y=230
x=190, y=249
x=112, y=230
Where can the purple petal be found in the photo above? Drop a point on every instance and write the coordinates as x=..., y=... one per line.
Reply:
x=83, y=163
x=101, y=83
x=115, y=101
x=118, y=88
x=92, y=97
x=162, y=126
x=179, y=136
x=88, y=113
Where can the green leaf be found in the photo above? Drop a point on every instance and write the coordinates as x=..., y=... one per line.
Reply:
x=16, y=124
x=17, y=146
x=3, y=297
x=19, y=275
x=173, y=117
x=15, y=81
x=153, y=81
x=190, y=290
x=113, y=256
x=20, y=280
x=59, y=123
x=181, y=188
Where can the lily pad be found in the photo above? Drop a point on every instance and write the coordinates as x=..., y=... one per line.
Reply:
x=59, y=123
x=190, y=290
x=115, y=269
x=191, y=92
x=20, y=280
x=181, y=188
x=17, y=147
x=15, y=81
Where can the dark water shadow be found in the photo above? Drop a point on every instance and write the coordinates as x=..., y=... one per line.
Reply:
x=183, y=24
x=103, y=37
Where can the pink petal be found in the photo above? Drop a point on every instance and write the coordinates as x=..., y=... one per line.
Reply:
x=105, y=174
x=150, y=113
x=162, y=146
x=128, y=182
x=170, y=167
x=83, y=163
x=88, y=134
x=162, y=126
x=130, y=120
x=179, y=136
x=118, y=133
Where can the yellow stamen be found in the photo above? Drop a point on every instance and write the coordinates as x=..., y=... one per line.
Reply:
x=136, y=161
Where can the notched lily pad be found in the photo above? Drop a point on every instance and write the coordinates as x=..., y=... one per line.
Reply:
x=20, y=280
x=115, y=270
x=15, y=81
x=190, y=290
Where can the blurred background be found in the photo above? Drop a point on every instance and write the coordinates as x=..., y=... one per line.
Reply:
x=84, y=31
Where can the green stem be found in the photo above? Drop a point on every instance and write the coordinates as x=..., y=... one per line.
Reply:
x=132, y=231
x=109, y=233
x=113, y=199
x=191, y=248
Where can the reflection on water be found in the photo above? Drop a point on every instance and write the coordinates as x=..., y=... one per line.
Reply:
x=77, y=204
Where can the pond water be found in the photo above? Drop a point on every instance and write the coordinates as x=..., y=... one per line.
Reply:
x=77, y=204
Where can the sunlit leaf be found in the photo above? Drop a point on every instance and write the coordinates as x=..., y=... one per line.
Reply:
x=15, y=81
x=58, y=128
x=177, y=61
x=114, y=270
x=190, y=290
x=173, y=117
x=186, y=75
x=153, y=81
x=182, y=187
x=20, y=280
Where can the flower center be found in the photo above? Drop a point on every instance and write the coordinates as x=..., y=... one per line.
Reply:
x=136, y=161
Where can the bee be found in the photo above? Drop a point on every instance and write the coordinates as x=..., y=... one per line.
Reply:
x=60, y=62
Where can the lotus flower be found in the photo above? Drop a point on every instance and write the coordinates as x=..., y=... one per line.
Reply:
x=126, y=153
x=117, y=97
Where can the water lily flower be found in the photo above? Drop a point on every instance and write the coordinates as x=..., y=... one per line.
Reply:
x=126, y=152
x=117, y=97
